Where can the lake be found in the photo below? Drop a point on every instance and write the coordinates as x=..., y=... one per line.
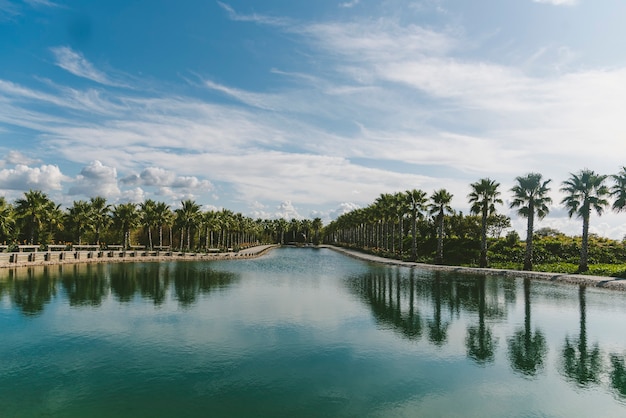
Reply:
x=304, y=332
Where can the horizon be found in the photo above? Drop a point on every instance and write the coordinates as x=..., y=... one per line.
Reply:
x=303, y=110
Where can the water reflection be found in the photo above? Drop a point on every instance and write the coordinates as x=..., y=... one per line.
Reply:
x=89, y=285
x=32, y=293
x=391, y=300
x=437, y=326
x=581, y=364
x=85, y=289
x=527, y=349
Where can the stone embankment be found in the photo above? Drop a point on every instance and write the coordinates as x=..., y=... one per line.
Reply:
x=42, y=258
x=614, y=283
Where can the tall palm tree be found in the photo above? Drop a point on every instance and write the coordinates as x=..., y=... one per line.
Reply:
x=7, y=220
x=101, y=215
x=163, y=217
x=79, y=218
x=440, y=204
x=32, y=211
x=483, y=198
x=188, y=216
x=147, y=213
x=585, y=191
x=618, y=191
x=416, y=200
x=317, y=225
x=530, y=197
x=126, y=217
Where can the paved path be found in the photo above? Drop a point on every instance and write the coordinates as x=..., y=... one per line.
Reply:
x=579, y=279
x=70, y=257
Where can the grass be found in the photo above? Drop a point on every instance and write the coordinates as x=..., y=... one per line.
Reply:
x=607, y=270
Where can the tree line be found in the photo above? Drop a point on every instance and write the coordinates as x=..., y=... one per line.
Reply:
x=394, y=224
x=36, y=219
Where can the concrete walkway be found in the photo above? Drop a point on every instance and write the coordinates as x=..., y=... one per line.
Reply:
x=614, y=283
x=45, y=258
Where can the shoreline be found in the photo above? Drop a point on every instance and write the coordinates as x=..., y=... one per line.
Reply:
x=45, y=258
x=87, y=257
x=603, y=282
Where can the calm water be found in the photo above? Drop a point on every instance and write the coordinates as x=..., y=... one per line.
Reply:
x=304, y=332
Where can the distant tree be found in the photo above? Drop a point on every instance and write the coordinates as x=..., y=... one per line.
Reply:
x=188, y=216
x=148, y=217
x=7, y=220
x=585, y=191
x=496, y=224
x=126, y=217
x=416, y=202
x=32, y=210
x=618, y=191
x=440, y=205
x=483, y=198
x=79, y=218
x=530, y=197
x=101, y=215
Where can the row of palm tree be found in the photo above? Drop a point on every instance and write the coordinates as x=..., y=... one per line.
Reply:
x=586, y=192
x=37, y=219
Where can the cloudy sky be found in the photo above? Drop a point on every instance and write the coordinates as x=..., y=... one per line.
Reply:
x=301, y=108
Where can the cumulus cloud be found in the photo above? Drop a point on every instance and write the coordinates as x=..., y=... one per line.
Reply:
x=166, y=179
x=23, y=177
x=287, y=210
x=94, y=180
x=14, y=157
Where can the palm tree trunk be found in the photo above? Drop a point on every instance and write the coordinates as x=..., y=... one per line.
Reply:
x=528, y=258
x=584, y=249
x=483, y=241
x=440, y=239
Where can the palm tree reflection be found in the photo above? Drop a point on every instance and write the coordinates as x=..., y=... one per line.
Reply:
x=581, y=364
x=480, y=343
x=527, y=351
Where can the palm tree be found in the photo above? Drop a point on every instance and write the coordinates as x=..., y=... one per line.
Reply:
x=148, y=217
x=7, y=220
x=530, y=196
x=317, y=226
x=163, y=217
x=101, y=215
x=32, y=211
x=483, y=198
x=126, y=217
x=188, y=215
x=416, y=200
x=585, y=192
x=79, y=218
x=619, y=190
x=440, y=205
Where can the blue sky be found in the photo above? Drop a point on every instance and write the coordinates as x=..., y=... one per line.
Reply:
x=301, y=109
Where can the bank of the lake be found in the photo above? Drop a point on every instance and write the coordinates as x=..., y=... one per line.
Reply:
x=614, y=283
x=47, y=258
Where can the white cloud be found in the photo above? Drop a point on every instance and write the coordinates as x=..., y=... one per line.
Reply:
x=44, y=3
x=95, y=180
x=159, y=177
x=75, y=63
x=286, y=210
x=558, y=2
x=23, y=177
x=14, y=157
x=349, y=4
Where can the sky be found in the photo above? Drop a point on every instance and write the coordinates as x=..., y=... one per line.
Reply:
x=303, y=109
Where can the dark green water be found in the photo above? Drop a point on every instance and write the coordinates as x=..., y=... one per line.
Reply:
x=304, y=332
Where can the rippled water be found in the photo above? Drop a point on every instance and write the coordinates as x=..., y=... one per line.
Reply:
x=304, y=332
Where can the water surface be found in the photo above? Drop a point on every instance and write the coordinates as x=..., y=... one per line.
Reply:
x=304, y=332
